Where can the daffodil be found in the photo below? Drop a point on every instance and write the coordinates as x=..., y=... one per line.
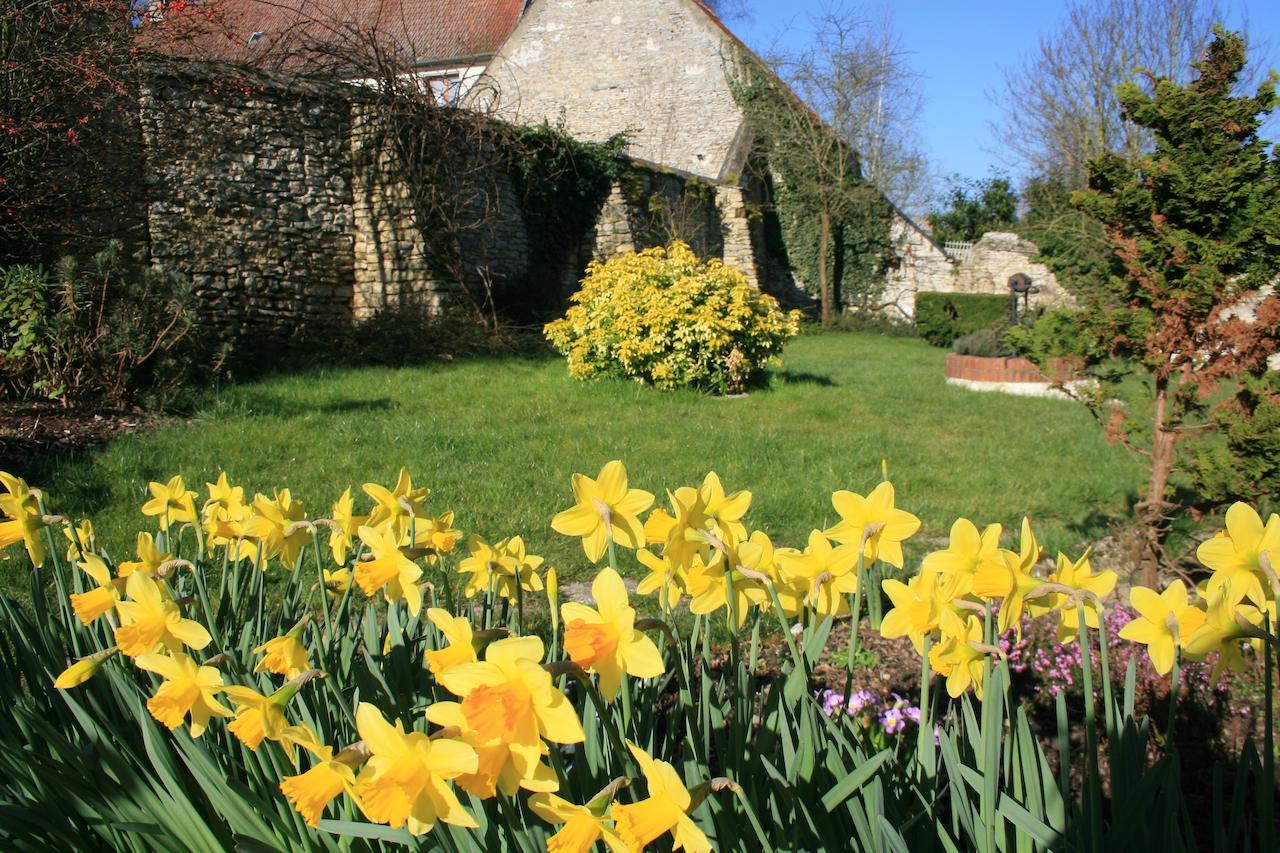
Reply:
x=605, y=641
x=346, y=527
x=917, y=608
x=436, y=536
x=273, y=526
x=1165, y=622
x=1222, y=631
x=336, y=582
x=1078, y=576
x=92, y=604
x=23, y=521
x=258, y=717
x=958, y=656
x=405, y=782
x=171, y=503
x=151, y=620
x=509, y=704
x=966, y=553
x=1235, y=556
x=664, y=578
x=224, y=512
x=582, y=826
x=330, y=775
x=499, y=566
x=389, y=570
x=187, y=689
x=83, y=540
x=826, y=573
x=150, y=558
x=284, y=655
x=461, y=645
x=665, y=809
x=396, y=506
x=873, y=523
x=1010, y=580
x=604, y=510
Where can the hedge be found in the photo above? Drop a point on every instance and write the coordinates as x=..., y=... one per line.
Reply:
x=943, y=317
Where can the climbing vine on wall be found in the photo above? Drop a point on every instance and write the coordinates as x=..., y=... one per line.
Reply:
x=815, y=177
x=562, y=182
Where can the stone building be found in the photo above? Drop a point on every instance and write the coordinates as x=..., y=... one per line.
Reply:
x=658, y=71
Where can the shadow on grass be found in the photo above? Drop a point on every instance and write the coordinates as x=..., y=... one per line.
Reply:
x=799, y=377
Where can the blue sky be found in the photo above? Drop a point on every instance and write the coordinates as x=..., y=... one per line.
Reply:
x=961, y=50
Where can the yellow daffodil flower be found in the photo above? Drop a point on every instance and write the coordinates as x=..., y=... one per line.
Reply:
x=457, y=631
x=664, y=578
x=956, y=656
x=1078, y=575
x=83, y=540
x=917, y=608
x=150, y=558
x=389, y=570
x=873, y=523
x=663, y=811
x=151, y=620
x=336, y=582
x=437, y=536
x=270, y=527
x=284, y=655
x=498, y=566
x=171, y=503
x=1011, y=580
x=187, y=689
x=224, y=512
x=1235, y=557
x=509, y=702
x=390, y=504
x=92, y=604
x=330, y=775
x=1165, y=622
x=348, y=526
x=23, y=521
x=582, y=827
x=967, y=551
x=605, y=641
x=604, y=509
x=405, y=782
x=1222, y=632
x=826, y=573
x=258, y=717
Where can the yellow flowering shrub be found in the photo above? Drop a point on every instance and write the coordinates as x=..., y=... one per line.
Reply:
x=665, y=317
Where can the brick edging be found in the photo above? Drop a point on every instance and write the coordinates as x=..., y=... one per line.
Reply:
x=983, y=369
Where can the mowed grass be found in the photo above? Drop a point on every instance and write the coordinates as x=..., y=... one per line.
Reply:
x=498, y=440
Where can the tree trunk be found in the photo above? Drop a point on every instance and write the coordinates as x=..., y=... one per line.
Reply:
x=824, y=286
x=1151, y=514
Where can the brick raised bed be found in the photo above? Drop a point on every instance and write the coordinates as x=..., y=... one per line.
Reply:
x=973, y=368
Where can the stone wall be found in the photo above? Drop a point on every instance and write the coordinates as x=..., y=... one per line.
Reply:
x=653, y=69
x=924, y=267
x=289, y=210
x=249, y=196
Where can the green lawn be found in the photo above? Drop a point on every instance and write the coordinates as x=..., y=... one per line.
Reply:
x=497, y=441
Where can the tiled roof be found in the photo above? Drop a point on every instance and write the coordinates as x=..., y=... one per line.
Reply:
x=431, y=31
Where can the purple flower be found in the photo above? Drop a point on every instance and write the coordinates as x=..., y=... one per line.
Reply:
x=893, y=721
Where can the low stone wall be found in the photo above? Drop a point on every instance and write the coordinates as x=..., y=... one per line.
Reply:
x=923, y=267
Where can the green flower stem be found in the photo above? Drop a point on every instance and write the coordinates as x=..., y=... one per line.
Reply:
x=1092, y=793
x=1267, y=818
x=924, y=732
x=324, y=596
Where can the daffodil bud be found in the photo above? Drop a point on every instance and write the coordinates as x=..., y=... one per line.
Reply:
x=82, y=670
x=553, y=597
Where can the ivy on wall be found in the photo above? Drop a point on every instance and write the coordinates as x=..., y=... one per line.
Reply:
x=563, y=182
x=815, y=176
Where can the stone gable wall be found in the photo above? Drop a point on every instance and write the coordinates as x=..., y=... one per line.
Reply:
x=653, y=69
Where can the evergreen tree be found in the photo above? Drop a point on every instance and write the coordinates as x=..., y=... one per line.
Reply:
x=1195, y=226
